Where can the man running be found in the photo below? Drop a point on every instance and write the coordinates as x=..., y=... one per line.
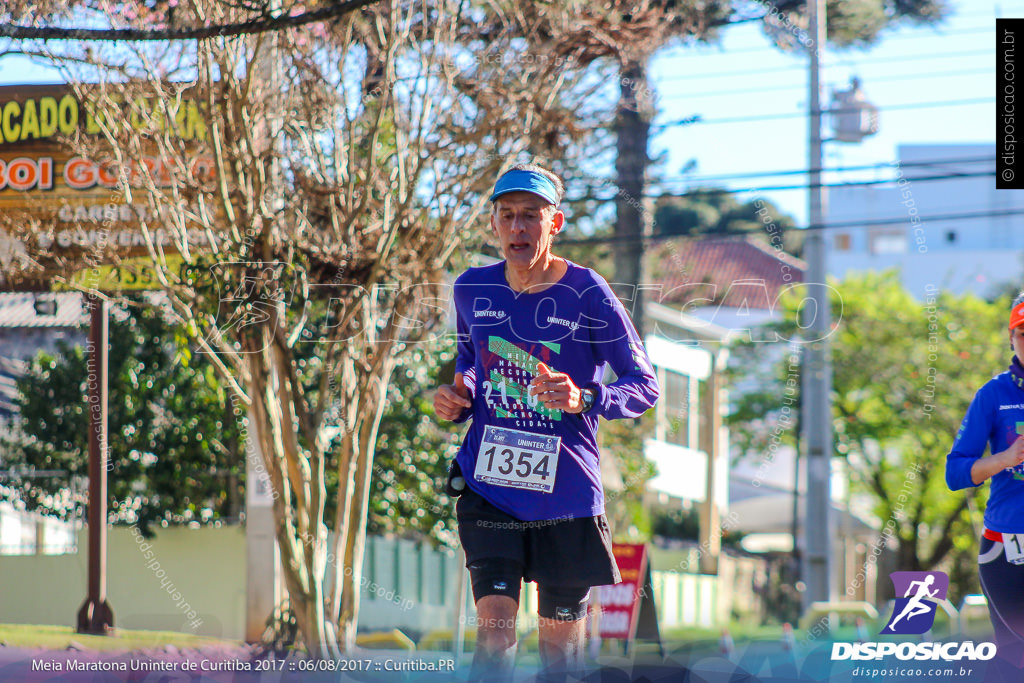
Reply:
x=536, y=333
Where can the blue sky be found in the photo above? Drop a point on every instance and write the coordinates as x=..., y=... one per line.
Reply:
x=745, y=77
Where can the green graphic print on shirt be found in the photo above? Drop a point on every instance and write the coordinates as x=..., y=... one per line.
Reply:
x=505, y=391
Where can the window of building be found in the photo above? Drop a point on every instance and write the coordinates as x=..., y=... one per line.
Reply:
x=889, y=243
x=951, y=236
x=676, y=415
x=842, y=242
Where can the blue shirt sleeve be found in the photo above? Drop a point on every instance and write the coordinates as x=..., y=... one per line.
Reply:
x=617, y=343
x=971, y=441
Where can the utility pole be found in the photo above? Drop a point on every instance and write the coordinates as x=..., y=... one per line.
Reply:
x=816, y=409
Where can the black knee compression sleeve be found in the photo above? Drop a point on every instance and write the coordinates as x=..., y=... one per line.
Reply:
x=565, y=603
x=496, y=576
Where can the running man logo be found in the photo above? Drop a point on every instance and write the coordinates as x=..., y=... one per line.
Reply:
x=914, y=613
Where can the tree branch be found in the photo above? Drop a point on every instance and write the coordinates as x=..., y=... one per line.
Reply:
x=261, y=25
x=945, y=542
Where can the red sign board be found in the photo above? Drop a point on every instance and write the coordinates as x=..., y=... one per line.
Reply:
x=620, y=604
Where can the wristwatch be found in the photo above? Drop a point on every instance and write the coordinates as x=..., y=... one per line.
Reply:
x=588, y=396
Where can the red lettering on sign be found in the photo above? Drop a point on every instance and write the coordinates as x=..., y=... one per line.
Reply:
x=23, y=174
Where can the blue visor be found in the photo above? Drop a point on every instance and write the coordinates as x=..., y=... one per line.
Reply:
x=526, y=181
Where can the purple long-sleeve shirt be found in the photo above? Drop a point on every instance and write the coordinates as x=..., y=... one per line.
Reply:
x=532, y=462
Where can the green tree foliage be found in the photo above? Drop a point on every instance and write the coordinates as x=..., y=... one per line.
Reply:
x=851, y=23
x=677, y=523
x=414, y=450
x=715, y=211
x=623, y=441
x=174, y=448
x=904, y=372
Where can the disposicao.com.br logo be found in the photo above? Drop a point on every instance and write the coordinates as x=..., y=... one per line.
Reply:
x=914, y=614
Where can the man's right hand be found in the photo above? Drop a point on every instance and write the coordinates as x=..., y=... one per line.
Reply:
x=451, y=399
x=1014, y=455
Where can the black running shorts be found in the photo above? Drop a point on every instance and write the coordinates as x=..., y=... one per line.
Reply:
x=564, y=552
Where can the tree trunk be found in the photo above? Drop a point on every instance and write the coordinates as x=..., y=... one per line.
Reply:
x=632, y=128
x=367, y=427
x=298, y=491
x=907, y=554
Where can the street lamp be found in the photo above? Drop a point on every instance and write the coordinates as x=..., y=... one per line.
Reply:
x=853, y=117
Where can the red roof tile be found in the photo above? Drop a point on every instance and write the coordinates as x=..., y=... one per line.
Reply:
x=735, y=266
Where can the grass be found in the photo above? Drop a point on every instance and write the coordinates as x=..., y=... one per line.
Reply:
x=738, y=631
x=59, y=637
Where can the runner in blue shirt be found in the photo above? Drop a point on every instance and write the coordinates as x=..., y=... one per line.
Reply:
x=995, y=419
x=536, y=334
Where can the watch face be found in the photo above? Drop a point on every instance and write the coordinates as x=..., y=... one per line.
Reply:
x=588, y=399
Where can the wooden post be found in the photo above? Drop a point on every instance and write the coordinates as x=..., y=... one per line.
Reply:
x=263, y=590
x=710, y=443
x=459, y=613
x=95, y=615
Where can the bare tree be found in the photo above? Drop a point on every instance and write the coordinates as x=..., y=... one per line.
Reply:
x=313, y=187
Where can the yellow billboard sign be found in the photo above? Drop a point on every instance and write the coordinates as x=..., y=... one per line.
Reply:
x=45, y=112
x=61, y=203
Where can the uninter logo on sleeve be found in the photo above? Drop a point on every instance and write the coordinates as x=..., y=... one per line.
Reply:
x=562, y=321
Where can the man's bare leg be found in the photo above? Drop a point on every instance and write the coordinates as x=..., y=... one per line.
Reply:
x=561, y=648
x=495, y=655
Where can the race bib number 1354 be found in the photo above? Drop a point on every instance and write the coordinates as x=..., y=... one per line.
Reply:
x=520, y=460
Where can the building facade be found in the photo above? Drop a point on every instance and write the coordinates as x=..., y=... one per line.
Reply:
x=940, y=221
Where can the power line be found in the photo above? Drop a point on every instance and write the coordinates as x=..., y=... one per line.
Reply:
x=865, y=183
x=612, y=239
x=938, y=33
x=804, y=186
x=884, y=79
x=924, y=219
x=801, y=114
x=829, y=169
x=803, y=171
x=803, y=67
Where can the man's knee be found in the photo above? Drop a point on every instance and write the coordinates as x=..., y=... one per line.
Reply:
x=496, y=587
x=495, y=653
x=496, y=622
x=496, y=612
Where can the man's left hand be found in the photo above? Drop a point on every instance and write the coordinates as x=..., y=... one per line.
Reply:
x=556, y=390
